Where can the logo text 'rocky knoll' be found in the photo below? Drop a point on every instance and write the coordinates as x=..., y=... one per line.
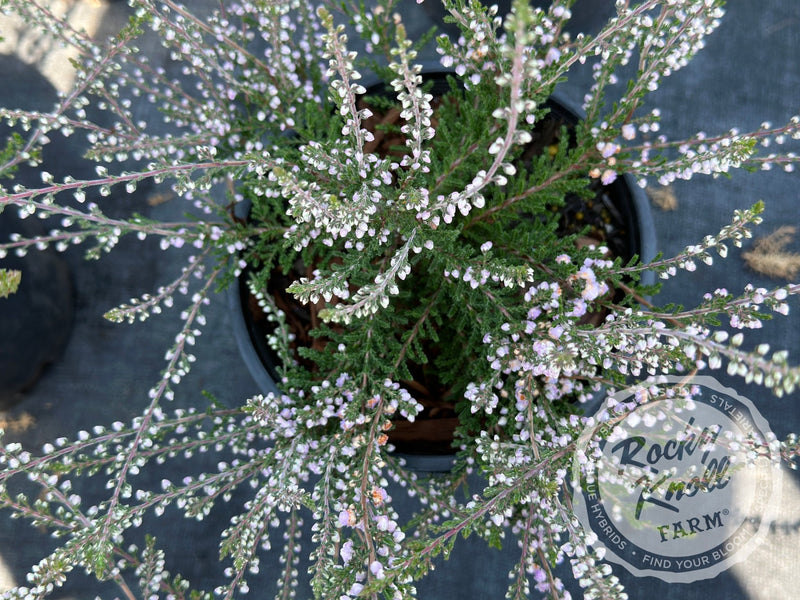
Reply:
x=663, y=489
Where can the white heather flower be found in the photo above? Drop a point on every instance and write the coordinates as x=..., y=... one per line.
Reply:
x=592, y=288
x=552, y=56
x=628, y=131
x=377, y=569
x=607, y=149
x=347, y=518
x=385, y=523
x=608, y=177
x=346, y=551
x=578, y=307
x=378, y=496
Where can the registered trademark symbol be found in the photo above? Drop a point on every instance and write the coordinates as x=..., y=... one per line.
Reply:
x=725, y=511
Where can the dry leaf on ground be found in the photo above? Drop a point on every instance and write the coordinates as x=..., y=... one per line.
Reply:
x=663, y=197
x=769, y=256
x=17, y=424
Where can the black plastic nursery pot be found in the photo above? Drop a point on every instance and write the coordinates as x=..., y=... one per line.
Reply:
x=36, y=322
x=622, y=203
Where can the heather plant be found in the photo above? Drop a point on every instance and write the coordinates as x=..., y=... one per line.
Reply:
x=442, y=252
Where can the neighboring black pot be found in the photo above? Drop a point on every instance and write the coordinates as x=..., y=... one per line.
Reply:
x=630, y=200
x=36, y=322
